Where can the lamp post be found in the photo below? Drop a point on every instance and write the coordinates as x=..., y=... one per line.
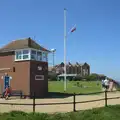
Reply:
x=53, y=52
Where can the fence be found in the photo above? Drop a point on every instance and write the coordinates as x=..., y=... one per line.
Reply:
x=74, y=102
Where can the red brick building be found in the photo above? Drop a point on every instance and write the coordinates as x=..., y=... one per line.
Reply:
x=82, y=69
x=26, y=62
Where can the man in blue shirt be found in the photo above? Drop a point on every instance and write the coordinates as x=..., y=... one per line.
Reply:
x=6, y=79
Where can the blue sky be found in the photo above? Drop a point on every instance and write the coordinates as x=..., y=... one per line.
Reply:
x=96, y=40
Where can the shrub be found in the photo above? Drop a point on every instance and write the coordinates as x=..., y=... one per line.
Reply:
x=77, y=78
x=52, y=76
x=91, y=77
x=70, y=78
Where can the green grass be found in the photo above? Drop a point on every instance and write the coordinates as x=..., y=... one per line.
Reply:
x=105, y=113
x=58, y=86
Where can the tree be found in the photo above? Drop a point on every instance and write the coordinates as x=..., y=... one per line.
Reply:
x=92, y=77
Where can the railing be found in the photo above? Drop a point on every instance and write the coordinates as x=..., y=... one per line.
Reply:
x=34, y=104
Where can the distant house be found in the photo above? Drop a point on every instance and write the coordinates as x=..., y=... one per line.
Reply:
x=77, y=68
x=27, y=62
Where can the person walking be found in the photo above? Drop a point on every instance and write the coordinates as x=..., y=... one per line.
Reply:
x=106, y=82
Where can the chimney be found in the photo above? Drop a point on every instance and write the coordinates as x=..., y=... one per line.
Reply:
x=29, y=42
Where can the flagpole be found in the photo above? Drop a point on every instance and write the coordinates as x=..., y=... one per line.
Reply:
x=65, y=37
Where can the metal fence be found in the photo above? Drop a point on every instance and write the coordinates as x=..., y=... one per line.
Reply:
x=74, y=102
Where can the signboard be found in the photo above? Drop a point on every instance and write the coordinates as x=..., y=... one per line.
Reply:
x=39, y=77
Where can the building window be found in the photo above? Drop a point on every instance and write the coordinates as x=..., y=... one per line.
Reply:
x=25, y=51
x=87, y=72
x=33, y=55
x=39, y=56
x=84, y=72
x=18, y=55
x=25, y=54
x=45, y=58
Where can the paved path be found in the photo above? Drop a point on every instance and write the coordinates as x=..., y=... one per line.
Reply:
x=62, y=107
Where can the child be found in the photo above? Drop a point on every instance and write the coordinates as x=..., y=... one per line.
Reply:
x=7, y=92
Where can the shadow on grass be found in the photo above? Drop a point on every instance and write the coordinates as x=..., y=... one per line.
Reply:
x=53, y=95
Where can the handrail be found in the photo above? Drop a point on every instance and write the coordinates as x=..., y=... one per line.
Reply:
x=74, y=102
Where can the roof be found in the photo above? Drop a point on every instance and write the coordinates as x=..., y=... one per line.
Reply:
x=22, y=44
x=70, y=64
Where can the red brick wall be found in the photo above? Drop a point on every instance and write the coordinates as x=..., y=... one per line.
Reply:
x=24, y=75
x=20, y=77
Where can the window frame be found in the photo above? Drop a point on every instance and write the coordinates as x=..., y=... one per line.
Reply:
x=21, y=50
x=40, y=56
x=43, y=59
x=44, y=56
x=26, y=54
x=16, y=55
x=33, y=54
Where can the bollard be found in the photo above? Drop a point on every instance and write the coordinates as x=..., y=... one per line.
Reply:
x=34, y=102
x=105, y=98
x=74, y=109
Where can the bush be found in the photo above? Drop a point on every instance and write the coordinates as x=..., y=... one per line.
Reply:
x=91, y=77
x=77, y=78
x=70, y=78
x=52, y=76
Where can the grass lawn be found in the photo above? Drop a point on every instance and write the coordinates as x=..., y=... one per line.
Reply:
x=105, y=113
x=88, y=87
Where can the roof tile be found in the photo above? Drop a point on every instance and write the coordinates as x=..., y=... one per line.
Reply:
x=21, y=44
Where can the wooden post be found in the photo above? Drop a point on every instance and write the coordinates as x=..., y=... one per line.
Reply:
x=105, y=98
x=74, y=109
x=34, y=102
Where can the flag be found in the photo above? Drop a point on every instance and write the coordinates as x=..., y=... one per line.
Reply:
x=73, y=29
